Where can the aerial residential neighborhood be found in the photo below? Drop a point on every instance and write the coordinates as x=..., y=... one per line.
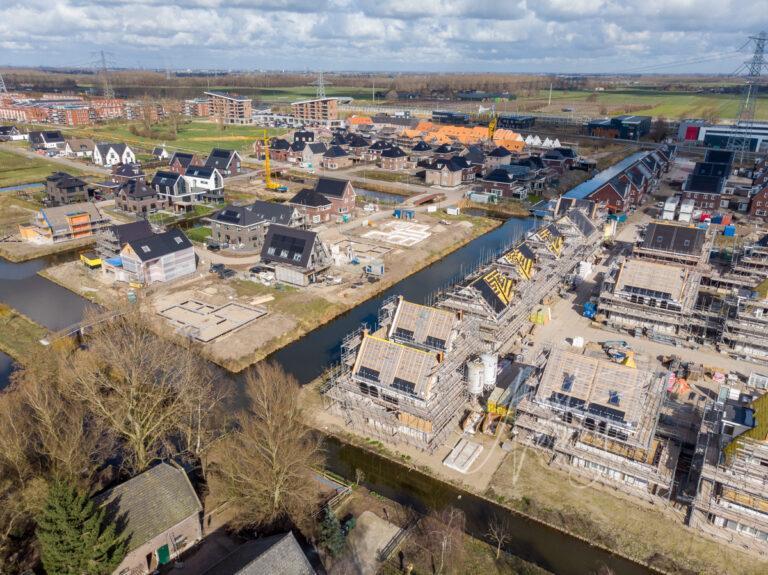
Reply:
x=372, y=289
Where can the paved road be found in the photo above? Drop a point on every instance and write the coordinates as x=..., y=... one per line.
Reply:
x=66, y=162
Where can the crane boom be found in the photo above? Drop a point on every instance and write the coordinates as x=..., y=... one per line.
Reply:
x=267, y=170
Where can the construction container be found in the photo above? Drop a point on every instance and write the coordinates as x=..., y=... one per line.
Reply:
x=726, y=219
x=490, y=365
x=452, y=211
x=729, y=231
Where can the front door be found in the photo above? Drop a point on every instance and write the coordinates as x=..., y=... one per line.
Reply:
x=163, y=555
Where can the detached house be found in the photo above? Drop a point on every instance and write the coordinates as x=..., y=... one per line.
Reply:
x=421, y=150
x=136, y=197
x=394, y=158
x=160, y=153
x=180, y=161
x=448, y=173
x=173, y=191
x=340, y=193
x=10, y=134
x=298, y=255
x=227, y=162
x=47, y=140
x=205, y=182
x=336, y=158
x=246, y=226
x=307, y=154
x=61, y=188
x=161, y=515
x=497, y=157
x=112, y=154
x=157, y=258
x=79, y=148
x=122, y=173
x=314, y=206
x=507, y=182
x=278, y=149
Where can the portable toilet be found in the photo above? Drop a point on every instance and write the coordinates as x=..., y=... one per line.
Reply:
x=729, y=231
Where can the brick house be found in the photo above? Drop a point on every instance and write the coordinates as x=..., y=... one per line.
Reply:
x=394, y=158
x=615, y=194
x=308, y=154
x=499, y=156
x=314, y=206
x=421, y=150
x=160, y=512
x=227, y=162
x=448, y=173
x=340, y=193
x=758, y=204
x=506, y=182
x=180, y=161
x=336, y=158
x=246, y=226
x=122, y=173
x=61, y=188
x=705, y=191
x=278, y=149
x=136, y=197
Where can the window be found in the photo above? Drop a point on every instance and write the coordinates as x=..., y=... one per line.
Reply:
x=568, y=382
x=728, y=429
x=283, y=253
x=271, y=250
x=435, y=342
x=404, y=385
x=614, y=398
x=368, y=373
x=145, y=249
x=297, y=257
x=177, y=240
x=402, y=333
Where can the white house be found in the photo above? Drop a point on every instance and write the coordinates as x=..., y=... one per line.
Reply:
x=157, y=258
x=205, y=181
x=112, y=154
x=79, y=148
x=12, y=133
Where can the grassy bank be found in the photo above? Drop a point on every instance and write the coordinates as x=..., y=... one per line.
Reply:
x=19, y=336
x=23, y=251
x=17, y=169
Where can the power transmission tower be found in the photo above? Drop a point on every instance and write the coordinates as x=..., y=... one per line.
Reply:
x=3, y=89
x=320, y=85
x=740, y=141
x=106, y=87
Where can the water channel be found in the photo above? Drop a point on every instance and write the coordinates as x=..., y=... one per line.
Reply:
x=55, y=308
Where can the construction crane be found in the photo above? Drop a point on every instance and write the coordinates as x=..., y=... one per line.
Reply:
x=492, y=121
x=271, y=184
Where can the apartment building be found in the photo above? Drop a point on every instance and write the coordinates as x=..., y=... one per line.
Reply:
x=230, y=108
x=317, y=111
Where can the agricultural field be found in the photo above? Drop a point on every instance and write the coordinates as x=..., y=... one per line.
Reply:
x=195, y=136
x=289, y=94
x=16, y=169
x=671, y=105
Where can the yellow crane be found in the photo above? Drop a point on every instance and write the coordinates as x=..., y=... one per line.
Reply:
x=270, y=183
x=492, y=121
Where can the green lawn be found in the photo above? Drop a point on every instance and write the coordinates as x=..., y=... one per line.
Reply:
x=16, y=169
x=196, y=136
x=198, y=234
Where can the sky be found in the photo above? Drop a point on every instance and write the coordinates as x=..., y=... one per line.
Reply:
x=608, y=36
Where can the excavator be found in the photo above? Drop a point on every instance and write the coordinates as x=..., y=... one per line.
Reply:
x=492, y=121
x=270, y=183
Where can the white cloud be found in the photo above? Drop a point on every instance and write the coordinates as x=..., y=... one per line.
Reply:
x=458, y=35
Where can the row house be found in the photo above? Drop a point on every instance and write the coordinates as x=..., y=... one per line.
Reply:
x=63, y=223
x=704, y=191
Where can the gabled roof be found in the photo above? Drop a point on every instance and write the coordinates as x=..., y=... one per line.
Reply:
x=336, y=152
x=164, y=178
x=132, y=231
x=158, y=151
x=220, y=158
x=275, y=555
x=310, y=198
x=615, y=183
x=291, y=246
x=674, y=238
x=63, y=180
x=105, y=147
x=204, y=172
x=331, y=187
x=395, y=367
x=581, y=221
x=502, y=176
x=151, y=503
x=496, y=289
x=298, y=146
x=81, y=144
x=422, y=325
x=567, y=152
x=159, y=245
x=475, y=155
x=393, y=152
x=255, y=213
x=8, y=130
x=317, y=148
x=183, y=158
x=339, y=139
x=46, y=136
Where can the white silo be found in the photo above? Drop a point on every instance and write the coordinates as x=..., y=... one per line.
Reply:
x=490, y=361
x=475, y=377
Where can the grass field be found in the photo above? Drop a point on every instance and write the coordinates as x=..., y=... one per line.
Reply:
x=195, y=136
x=647, y=102
x=19, y=336
x=16, y=169
x=198, y=234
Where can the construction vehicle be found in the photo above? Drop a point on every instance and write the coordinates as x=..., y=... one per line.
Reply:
x=270, y=183
x=492, y=121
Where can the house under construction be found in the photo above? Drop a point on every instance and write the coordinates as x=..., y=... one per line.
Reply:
x=600, y=417
x=410, y=379
x=731, y=500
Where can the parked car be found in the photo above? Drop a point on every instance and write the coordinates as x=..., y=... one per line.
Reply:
x=213, y=246
x=227, y=273
x=216, y=268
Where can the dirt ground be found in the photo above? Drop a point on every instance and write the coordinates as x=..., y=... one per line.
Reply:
x=292, y=311
x=648, y=532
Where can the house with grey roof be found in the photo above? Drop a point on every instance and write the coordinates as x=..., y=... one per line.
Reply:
x=159, y=512
x=275, y=555
x=106, y=154
x=227, y=162
x=245, y=227
x=205, y=183
x=297, y=255
x=156, y=258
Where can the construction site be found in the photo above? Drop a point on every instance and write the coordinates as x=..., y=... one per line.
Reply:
x=412, y=377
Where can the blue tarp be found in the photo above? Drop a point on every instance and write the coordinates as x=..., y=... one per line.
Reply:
x=115, y=262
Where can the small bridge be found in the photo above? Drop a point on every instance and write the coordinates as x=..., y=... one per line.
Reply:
x=80, y=327
x=429, y=198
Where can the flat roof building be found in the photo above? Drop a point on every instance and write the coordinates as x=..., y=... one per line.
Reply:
x=230, y=108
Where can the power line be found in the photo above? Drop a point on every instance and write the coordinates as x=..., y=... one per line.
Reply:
x=686, y=62
x=3, y=89
x=740, y=142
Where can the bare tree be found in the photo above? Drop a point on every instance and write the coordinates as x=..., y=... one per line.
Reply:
x=499, y=532
x=138, y=385
x=265, y=468
x=443, y=536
